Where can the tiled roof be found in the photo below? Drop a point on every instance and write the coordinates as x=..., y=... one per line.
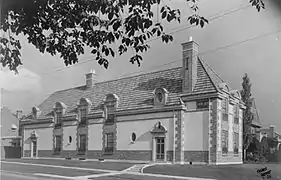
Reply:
x=135, y=91
x=256, y=121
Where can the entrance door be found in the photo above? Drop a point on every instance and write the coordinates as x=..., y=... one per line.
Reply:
x=34, y=149
x=160, y=148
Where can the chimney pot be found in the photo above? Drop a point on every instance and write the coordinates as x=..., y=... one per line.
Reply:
x=90, y=79
x=19, y=114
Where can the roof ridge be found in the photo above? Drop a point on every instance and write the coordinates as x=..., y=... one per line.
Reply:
x=211, y=69
x=203, y=65
x=143, y=73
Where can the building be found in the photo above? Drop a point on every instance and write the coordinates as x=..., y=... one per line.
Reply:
x=270, y=132
x=10, y=133
x=183, y=114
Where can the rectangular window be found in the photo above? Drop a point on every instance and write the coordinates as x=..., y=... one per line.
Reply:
x=57, y=143
x=83, y=118
x=236, y=114
x=225, y=109
x=203, y=104
x=224, y=141
x=235, y=143
x=82, y=143
x=109, y=142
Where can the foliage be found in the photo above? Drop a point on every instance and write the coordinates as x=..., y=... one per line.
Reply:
x=67, y=27
x=272, y=142
x=254, y=145
x=264, y=149
x=247, y=113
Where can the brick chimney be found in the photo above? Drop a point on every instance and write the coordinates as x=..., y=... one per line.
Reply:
x=90, y=79
x=271, y=131
x=19, y=114
x=189, y=67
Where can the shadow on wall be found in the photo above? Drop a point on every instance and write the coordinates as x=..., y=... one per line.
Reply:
x=144, y=137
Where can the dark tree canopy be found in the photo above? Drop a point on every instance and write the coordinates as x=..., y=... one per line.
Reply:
x=66, y=27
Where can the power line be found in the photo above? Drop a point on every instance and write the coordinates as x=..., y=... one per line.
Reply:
x=211, y=18
x=214, y=50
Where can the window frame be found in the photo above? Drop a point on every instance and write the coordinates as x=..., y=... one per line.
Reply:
x=109, y=143
x=82, y=147
x=235, y=143
x=236, y=114
x=58, y=122
x=58, y=148
x=83, y=116
x=224, y=140
x=225, y=108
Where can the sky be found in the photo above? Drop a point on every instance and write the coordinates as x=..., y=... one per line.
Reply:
x=240, y=41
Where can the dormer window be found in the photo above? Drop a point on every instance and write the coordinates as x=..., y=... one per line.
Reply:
x=84, y=105
x=160, y=96
x=110, y=105
x=59, y=110
x=58, y=119
x=83, y=117
x=35, y=112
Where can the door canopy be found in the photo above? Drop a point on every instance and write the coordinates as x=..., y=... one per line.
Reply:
x=158, y=128
x=33, y=136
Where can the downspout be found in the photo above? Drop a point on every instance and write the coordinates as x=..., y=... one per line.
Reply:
x=174, y=135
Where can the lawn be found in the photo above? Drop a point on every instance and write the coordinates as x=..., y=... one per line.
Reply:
x=118, y=166
x=222, y=172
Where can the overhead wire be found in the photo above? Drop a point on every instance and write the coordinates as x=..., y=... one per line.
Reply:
x=211, y=18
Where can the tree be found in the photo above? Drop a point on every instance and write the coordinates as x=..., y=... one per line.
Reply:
x=264, y=149
x=254, y=145
x=247, y=113
x=66, y=27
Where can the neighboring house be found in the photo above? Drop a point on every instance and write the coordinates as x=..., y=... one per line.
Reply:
x=183, y=114
x=10, y=136
x=270, y=132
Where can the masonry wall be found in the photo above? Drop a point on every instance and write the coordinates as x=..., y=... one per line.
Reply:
x=196, y=136
x=95, y=137
x=141, y=125
x=69, y=131
x=230, y=157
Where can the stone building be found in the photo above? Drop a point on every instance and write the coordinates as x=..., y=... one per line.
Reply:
x=182, y=114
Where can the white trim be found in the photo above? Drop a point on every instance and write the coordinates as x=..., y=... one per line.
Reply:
x=53, y=176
